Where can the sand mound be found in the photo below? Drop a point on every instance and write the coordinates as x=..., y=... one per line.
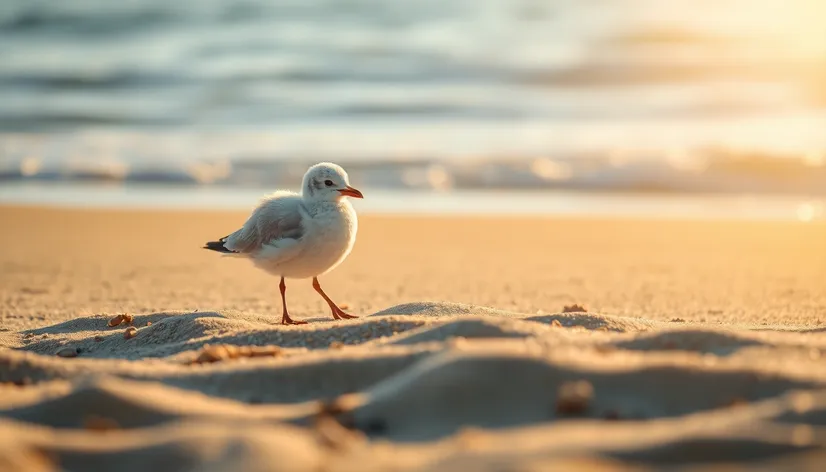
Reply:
x=476, y=327
x=441, y=309
x=505, y=390
x=447, y=386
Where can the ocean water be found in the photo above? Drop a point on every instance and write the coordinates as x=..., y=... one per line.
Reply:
x=651, y=97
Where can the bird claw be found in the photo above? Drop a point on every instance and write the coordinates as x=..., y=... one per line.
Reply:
x=338, y=314
x=290, y=321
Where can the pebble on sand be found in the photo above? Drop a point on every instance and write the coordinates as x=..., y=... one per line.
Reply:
x=67, y=352
x=130, y=332
x=574, y=398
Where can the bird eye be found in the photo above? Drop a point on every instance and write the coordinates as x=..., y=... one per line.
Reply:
x=328, y=183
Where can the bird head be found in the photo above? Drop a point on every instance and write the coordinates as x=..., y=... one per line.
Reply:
x=327, y=182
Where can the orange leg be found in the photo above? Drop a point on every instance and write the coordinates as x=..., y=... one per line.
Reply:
x=285, y=317
x=338, y=313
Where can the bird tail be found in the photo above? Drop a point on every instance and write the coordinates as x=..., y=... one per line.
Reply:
x=219, y=246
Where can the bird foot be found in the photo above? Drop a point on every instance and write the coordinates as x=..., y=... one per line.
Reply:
x=290, y=321
x=339, y=314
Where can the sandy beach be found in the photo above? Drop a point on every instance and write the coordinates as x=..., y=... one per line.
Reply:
x=695, y=344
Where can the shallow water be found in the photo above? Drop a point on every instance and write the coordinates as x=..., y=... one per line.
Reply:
x=688, y=96
x=425, y=202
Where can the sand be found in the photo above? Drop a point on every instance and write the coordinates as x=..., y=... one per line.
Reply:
x=703, y=345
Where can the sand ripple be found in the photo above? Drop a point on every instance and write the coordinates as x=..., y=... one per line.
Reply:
x=446, y=386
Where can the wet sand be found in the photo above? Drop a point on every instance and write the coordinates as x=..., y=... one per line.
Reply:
x=702, y=342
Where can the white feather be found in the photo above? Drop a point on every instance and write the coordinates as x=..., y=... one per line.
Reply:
x=300, y=235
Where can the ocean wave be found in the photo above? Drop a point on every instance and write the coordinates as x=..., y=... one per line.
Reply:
x=709, y=170
x=607, y=95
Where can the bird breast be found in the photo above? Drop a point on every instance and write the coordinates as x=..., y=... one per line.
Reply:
x=331, y=235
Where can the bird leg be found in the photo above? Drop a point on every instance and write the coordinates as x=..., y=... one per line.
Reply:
x=338, y=313
x=285, y=316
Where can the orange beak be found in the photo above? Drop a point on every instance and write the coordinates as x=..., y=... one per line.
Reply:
x=350, y=192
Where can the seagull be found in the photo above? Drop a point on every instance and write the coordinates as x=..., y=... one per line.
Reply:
x=300, y=235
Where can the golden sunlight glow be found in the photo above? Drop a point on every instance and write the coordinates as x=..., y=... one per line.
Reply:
x=795, y=29
x=807, y=33
x=809, y=211
x=815, y=159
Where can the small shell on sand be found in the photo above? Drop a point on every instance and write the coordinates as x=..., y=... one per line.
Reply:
x=120, y=319
x=130, y=332
x=344, y=306
x=222, y=352
x=574, y=398
x=556, y=324
x=67, y=352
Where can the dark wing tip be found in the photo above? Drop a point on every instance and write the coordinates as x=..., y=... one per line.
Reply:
x=218, y=246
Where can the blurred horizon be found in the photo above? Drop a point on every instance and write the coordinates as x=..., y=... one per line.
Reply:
x=684, y=97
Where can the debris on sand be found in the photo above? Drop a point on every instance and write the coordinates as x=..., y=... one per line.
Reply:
x=574, y=309
x=222, y=352
x=574, y=398
x=121, y=319
x=99, y=423
x=130, y=332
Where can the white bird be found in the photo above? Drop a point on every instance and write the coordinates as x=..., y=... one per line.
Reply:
x=300, y=235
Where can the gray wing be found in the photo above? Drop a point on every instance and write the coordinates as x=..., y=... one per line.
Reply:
x=276, y=218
